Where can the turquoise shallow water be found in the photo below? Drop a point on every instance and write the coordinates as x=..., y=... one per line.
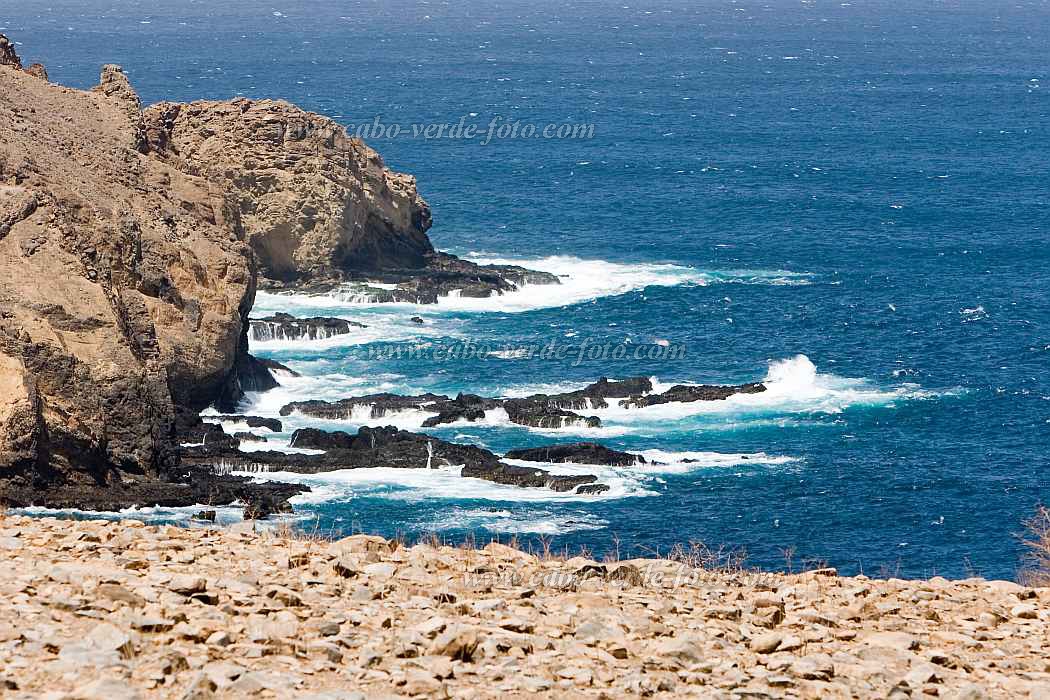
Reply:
x=863, y=185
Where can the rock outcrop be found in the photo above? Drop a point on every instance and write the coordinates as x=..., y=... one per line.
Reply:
x=319, y=207
x=125, y=286
x=313, y=200
x=9, y=57
x=546, y=411
x=578, y=453
x=282, y=326
x=376, y=447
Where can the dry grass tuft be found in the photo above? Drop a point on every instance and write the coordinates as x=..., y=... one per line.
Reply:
x=698, y=555
x=1036, y=570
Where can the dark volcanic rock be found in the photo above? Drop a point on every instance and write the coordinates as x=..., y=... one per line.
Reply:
x=540, y=413
x=370, y=447
x=251, y=421
x=275, y=366
x=577, y=453
x=185, y=486
x=592, y=489
x=685, y=393
x=527, y=477
x=282, y=326
x=210, y=435
x=468, y=407
x=249, y=374
x=314, y=439
x=380, y=403
x=440, y=275
x=260, y=505
x=383, y=447
x=595, y=395
x=390, y=447
x=468, y=413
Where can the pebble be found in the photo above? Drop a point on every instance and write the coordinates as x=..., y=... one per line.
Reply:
x=128, y=610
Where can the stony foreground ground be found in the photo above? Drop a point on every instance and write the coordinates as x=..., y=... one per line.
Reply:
x=108, y=611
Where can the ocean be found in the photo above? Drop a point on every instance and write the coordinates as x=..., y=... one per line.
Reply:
x=847, y=200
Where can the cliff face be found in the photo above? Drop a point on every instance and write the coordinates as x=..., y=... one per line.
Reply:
x=314, y=202
x=125, y=286
x=131, y=245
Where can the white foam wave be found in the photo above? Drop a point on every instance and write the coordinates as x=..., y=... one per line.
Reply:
x=224, y=515
x=445, y=483
x=663, y=462
x=322, y=387
x=233, y=426
x=380, y=327
x=975, y=314
x=282, y=446
x=581, y=281
x=793, y=386
x=502, y=520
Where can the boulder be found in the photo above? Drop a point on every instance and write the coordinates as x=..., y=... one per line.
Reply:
x=282, y=326
x=577, y=453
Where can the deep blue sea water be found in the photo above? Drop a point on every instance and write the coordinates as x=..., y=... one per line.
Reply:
x=860, y=183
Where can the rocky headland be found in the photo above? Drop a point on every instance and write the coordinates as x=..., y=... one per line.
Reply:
x=97, y=610
x=319, y=207
x=124, y=292
x=132, y=243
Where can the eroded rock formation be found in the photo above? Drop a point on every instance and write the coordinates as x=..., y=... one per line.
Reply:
x=314, y=201
x=319, y=207
x=125, y=286
x=381, y=447
x=282, y=326
x=538, y=410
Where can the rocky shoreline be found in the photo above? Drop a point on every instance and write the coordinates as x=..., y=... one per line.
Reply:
x=135, y=314
x=96, y=610
x=538, y=410
x=132, y=243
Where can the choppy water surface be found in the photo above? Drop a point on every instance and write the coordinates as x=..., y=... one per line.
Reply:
x=847, y=200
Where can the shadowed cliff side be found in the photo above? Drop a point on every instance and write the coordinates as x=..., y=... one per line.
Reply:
x=125, y=286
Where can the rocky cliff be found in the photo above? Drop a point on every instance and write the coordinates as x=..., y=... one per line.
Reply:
x=125, y=286
x=319, y=207
x=314, y=201
x=131, y=246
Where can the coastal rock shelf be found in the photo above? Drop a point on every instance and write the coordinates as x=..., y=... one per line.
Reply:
x=539, y=410
x=380, y=447
x=122, y=610
x=282, y=326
